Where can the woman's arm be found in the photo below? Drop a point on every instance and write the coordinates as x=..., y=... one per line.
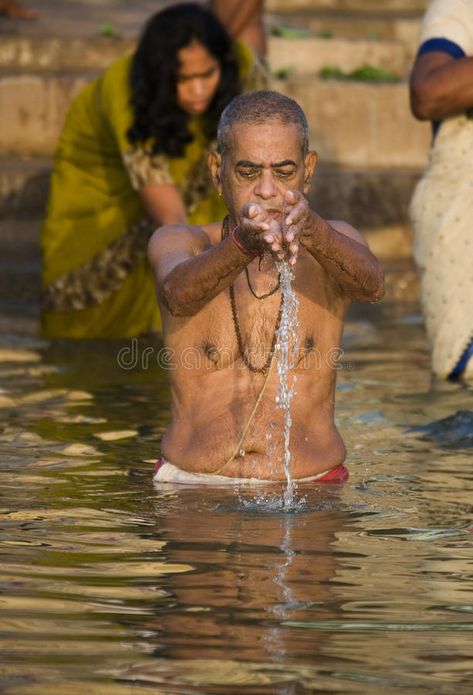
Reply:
x=164, y=203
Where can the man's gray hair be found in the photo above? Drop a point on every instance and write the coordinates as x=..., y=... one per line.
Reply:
x=256, y=108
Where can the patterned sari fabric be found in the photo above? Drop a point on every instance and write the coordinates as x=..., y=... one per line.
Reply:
x=96, y=281
x=442, y=206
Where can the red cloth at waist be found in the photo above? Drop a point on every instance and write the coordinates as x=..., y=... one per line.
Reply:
x=335, y=475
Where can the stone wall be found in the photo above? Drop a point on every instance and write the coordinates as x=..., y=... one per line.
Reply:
x=362, y=6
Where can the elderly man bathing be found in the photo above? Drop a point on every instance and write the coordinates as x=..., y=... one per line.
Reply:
x=219, y=291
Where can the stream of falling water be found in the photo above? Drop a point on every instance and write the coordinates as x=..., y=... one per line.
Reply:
x=287, y=346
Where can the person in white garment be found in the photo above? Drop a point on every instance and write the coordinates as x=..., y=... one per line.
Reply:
x=441, y=89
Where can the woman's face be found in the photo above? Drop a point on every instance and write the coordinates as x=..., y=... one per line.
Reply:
x=197, y=78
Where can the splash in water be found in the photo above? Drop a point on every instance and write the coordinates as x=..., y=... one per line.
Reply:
x=287, y=345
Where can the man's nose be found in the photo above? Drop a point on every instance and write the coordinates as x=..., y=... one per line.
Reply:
x=265, y=188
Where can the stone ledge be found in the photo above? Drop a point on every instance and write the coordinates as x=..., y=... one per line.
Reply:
x=389, y=244
x=19, y=244
x=61, y=53
x=352, y=123
x=305, y=55
x=367, y=198
x=369, y=7
x=24, y=186
x=32, y=109
x=360, y=124
x=308, y=55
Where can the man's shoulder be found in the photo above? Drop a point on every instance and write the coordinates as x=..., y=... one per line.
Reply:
x=349, y=231
x=192, y=238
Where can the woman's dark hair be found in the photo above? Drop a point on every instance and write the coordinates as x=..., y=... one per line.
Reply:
x=153, y=77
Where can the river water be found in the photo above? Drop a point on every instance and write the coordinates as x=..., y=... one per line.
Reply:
x=112, y=586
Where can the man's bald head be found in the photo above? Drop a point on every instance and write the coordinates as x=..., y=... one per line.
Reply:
x=257, y=108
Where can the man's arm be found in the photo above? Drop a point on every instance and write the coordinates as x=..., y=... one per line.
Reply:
x=190, y=271
x=441, y=86
x=338, y=247
x=344, y=254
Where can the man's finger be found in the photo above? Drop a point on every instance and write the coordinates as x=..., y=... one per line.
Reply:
x=296, y=214
x=292, y=197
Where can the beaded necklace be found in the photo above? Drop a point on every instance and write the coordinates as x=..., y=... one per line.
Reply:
x=256, y=370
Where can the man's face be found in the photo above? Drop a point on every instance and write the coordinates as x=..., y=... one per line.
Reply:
x=265, y=161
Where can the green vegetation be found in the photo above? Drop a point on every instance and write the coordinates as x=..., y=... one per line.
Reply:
x=366, y=73
x=283, y=73
x=108, y=30
x=290, y=32
x=286, y=32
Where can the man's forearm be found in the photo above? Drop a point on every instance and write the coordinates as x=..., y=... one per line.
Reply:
x=196, y=281
x=351, y=264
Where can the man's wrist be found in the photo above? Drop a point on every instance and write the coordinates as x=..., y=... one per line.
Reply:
x=240, y=244
x=306, y=237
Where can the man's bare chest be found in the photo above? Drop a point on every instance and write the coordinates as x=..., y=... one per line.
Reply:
x=244, y=321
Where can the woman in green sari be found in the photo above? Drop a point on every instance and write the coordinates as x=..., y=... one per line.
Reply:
x=133, y=156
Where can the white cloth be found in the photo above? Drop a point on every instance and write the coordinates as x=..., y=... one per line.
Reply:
x=449, y=19
x=168, y=473
x=442, y=211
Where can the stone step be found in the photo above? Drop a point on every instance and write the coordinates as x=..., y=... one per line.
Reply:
x=20, y=250
x=32, y=110
x=391, y=244
x=352, y=123
x=20, y=270
x=363, y=7
x=360, y=124
x=59, y=53
x=84, y=18
x=19, y=245
x=24, y=185
x=20, y=290
x=367, y=197
x=20, y=280
x=376, y=20
x=305, y=55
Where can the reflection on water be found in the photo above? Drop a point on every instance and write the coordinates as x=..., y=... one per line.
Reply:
x=110, y=585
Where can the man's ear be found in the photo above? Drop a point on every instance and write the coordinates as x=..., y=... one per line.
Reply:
x=310, y=163
x=214, y=162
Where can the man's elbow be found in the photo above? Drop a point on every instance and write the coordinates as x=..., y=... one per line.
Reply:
x=174, y=302
x=373, y=291
x=377, y=289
